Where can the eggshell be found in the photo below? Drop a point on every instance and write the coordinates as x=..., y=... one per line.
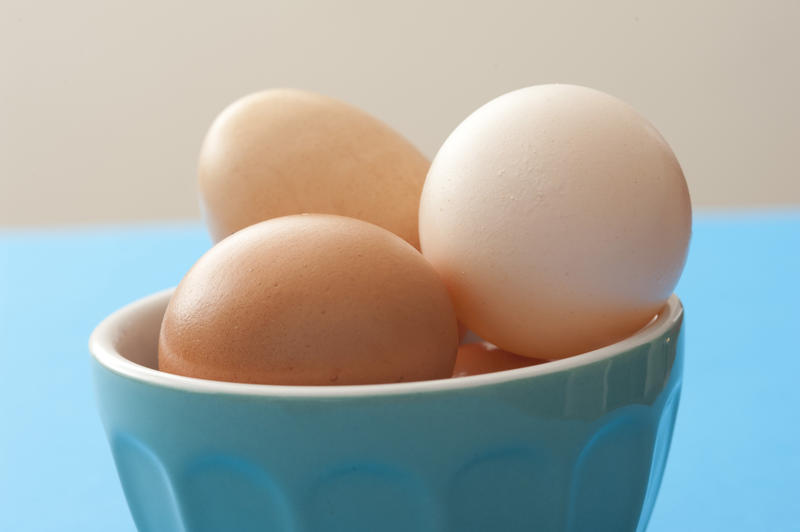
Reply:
x=310, y=299
x=483, y=357
x=558, y=217
x=284, y=151
x=462, y=332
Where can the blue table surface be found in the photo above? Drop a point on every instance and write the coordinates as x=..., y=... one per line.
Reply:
x=735, y=458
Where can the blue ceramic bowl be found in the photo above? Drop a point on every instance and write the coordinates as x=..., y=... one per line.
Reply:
x=573, y=445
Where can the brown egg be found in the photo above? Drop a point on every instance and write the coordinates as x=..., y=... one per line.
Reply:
x=285, y=151
x=462, y=332
x=310, y=299
x=483, y=357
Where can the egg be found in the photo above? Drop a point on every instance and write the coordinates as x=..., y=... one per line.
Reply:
x=483, y=357
x=310, y=300
x=462, y=332
x=284, y=151
x=558, y=217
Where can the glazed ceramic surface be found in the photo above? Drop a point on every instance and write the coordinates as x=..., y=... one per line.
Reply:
x=574, y=445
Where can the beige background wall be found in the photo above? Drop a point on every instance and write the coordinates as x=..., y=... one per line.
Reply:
x=103, y=104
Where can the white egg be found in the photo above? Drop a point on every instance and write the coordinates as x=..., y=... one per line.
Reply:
x=558, y=217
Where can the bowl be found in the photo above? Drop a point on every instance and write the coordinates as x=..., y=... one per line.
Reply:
x=577, y=444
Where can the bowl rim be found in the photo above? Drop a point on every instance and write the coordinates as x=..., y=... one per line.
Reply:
x=103, y=339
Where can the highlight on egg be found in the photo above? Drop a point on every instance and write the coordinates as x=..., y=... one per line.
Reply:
x=286, y=151
x=558, y=217
x=310, y=300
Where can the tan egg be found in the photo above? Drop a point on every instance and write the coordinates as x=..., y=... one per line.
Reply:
x=286, y=151
x=310, y=299
x=483, y=357
x=558, y=217
x=462, y=332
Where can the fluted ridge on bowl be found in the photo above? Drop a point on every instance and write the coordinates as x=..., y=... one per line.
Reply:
x=517, y=487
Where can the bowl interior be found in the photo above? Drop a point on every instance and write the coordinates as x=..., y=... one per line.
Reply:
x=137, y=339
